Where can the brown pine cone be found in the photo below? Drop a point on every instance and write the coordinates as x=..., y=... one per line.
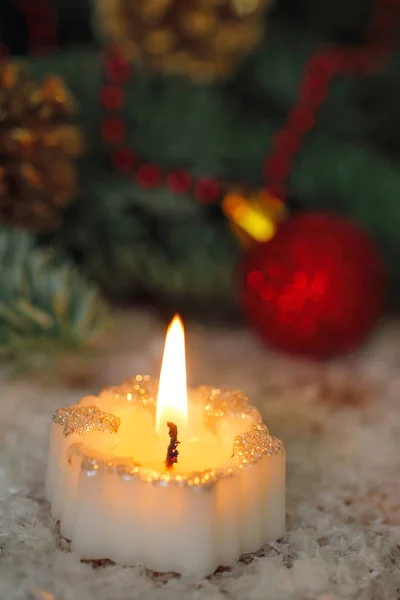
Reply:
x=204, y=39
x=37, y=148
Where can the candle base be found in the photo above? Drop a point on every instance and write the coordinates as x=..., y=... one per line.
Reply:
x=64, y=544
x=168, y=526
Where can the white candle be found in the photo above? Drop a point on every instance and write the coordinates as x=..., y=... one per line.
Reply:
x=116, y=496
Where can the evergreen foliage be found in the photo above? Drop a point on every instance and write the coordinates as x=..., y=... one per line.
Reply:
x=47, y=310
x=137, y=243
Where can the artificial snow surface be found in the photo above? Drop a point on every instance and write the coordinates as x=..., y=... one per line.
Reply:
x=341, y=427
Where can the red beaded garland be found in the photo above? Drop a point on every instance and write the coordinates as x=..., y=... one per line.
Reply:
x=319, y=71
x=301, y=118
x=113, y=129
x=322, y=66
x=117, y=69
x=179, y=182
x=287, y=142
x=313, y=90
x=111, y=97
x=148, y=176
x=277, y=167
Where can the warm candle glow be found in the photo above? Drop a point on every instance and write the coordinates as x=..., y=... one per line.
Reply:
x=172, y=402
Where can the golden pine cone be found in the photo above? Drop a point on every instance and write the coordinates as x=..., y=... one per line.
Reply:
x=202, y=38
x=37, y=148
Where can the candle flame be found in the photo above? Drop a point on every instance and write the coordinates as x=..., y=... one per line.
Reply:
x=172, y=392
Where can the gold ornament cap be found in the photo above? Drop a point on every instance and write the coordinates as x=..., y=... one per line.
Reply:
x=254, y=218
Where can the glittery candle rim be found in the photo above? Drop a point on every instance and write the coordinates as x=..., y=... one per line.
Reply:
x=248, y=448
x=82, y=419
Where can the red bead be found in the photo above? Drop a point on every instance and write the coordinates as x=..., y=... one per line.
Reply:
x=276, y=167
x=179, y=182
x=111, y=97
x=123, y=159
x=113, y=130
x=317, y=288
x=148, y=176
x=117, y=68
x=301, y=119
x=326, y=63
x=207, y=190
x=313, y=90
x=287, y=142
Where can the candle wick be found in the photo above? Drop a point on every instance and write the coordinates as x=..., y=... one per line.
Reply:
x=172, y=450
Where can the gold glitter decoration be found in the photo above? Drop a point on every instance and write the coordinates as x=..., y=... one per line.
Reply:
x=252, y=445
x=128, y=468
x=224, y=403
x=204, y=39
x=82, y=419
x=37, y=175
x=140, y=391
x=248, y=448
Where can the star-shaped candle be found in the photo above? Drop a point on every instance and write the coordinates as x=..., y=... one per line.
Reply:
x=153, y=474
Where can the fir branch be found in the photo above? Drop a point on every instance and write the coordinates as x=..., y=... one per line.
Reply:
x=47, y=310
x=183, y=257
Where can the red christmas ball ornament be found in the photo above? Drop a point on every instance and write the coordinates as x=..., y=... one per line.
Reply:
x=317, y=288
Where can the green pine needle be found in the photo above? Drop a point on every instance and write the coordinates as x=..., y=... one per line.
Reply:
x=47, y=310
